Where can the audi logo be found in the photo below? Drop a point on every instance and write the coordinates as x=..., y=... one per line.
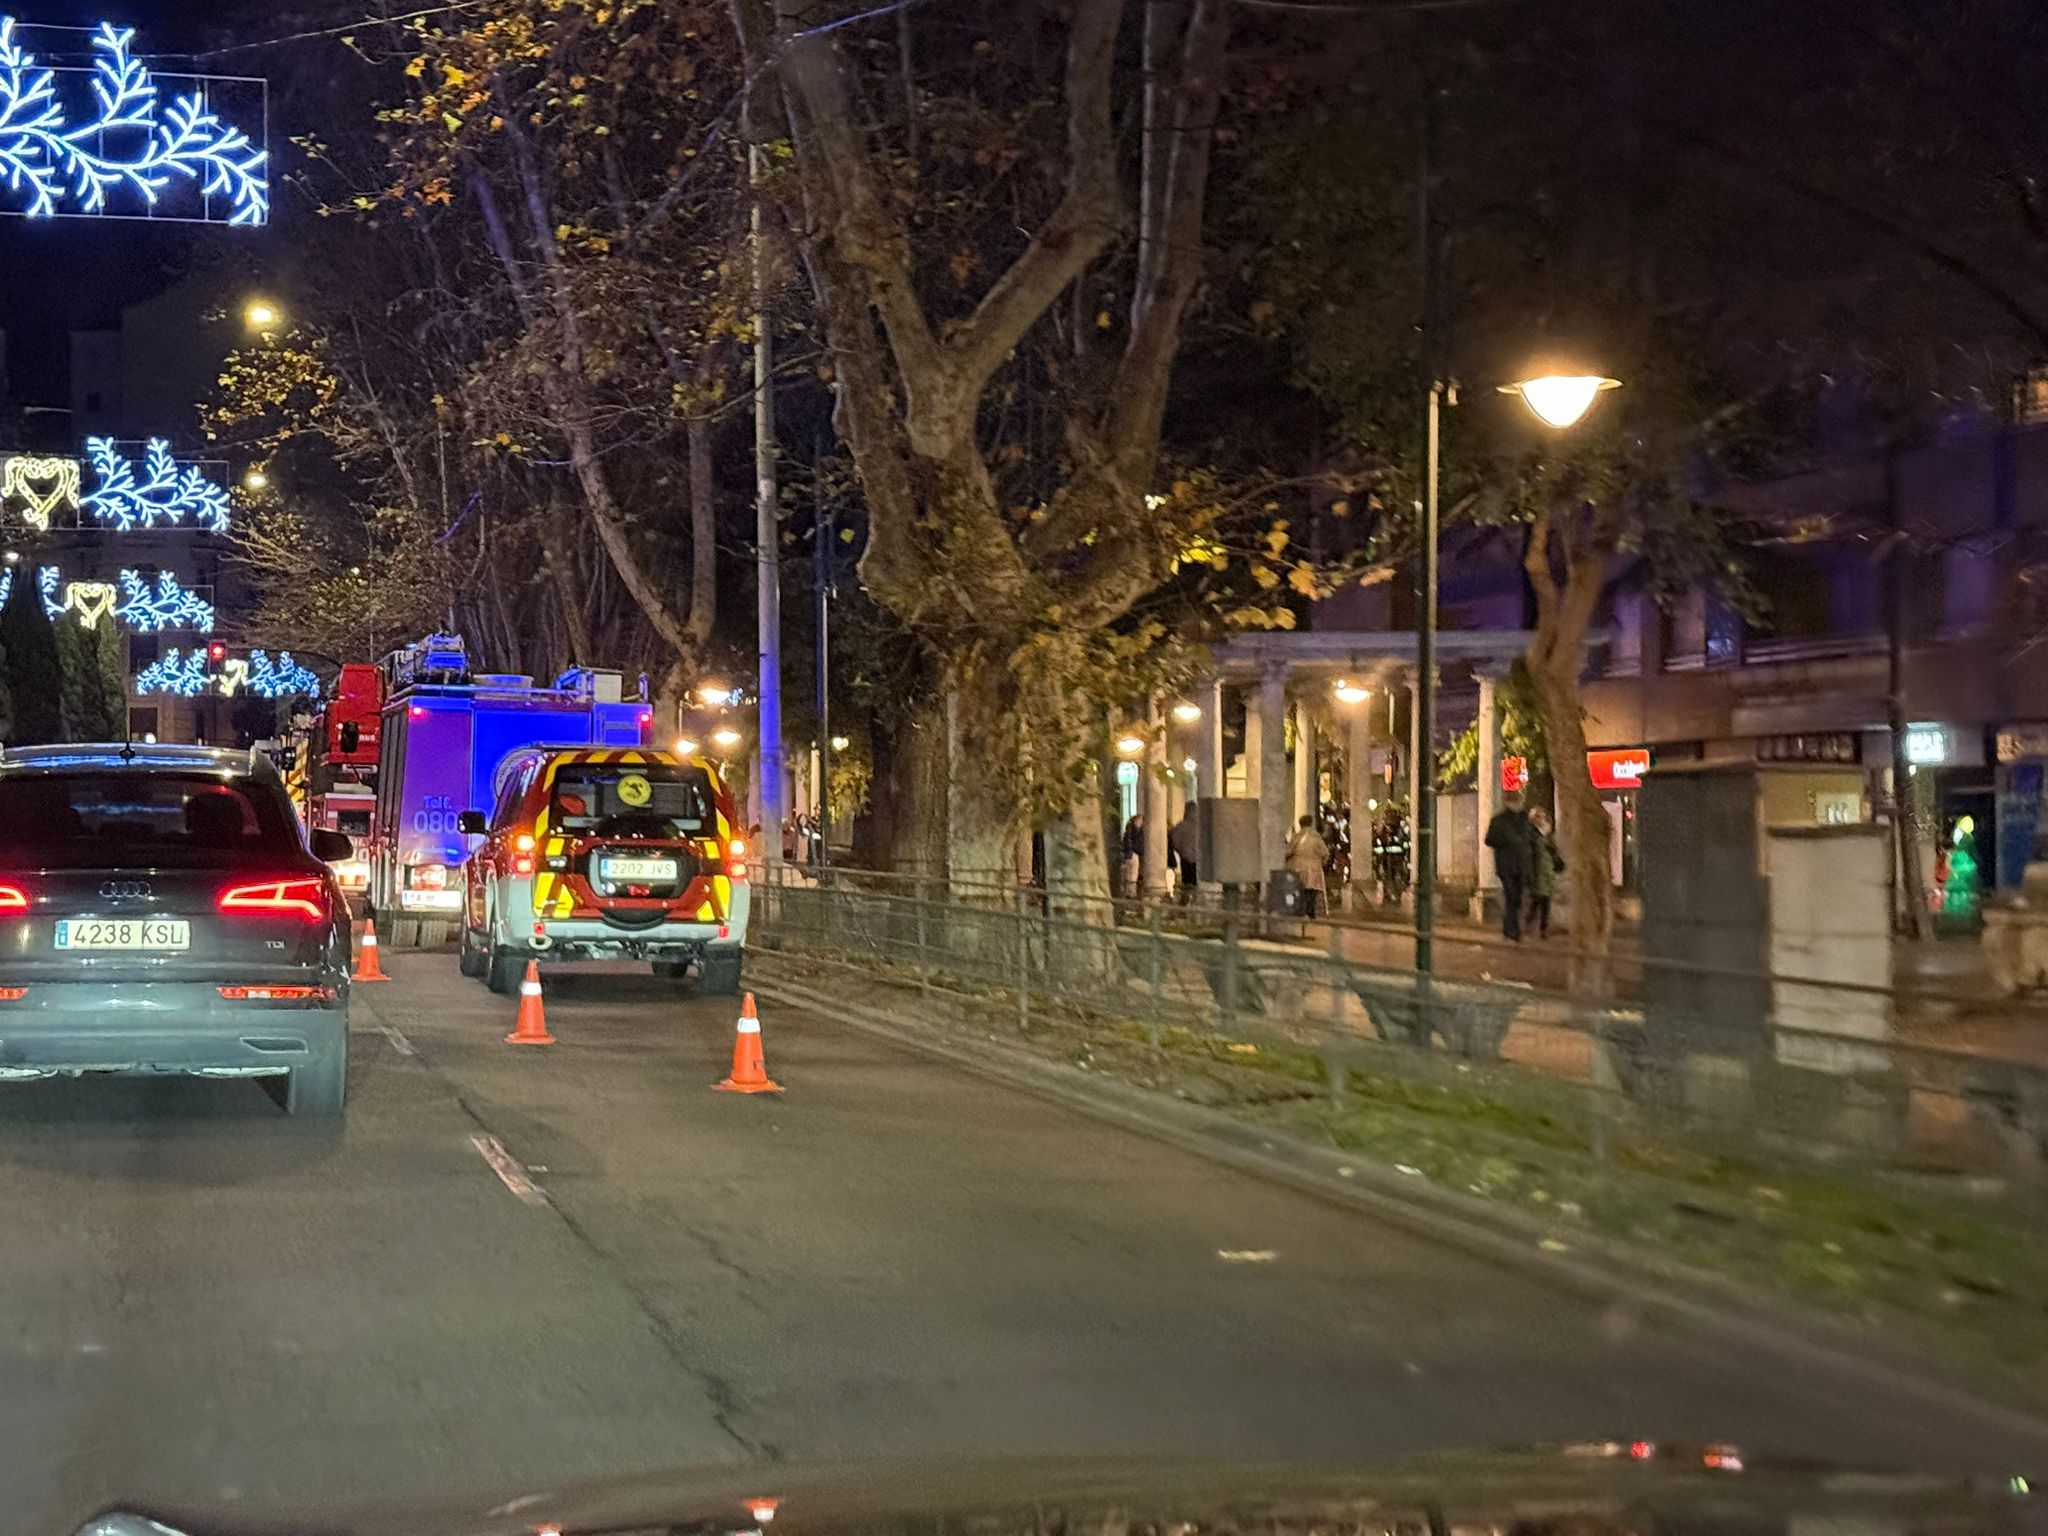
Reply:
x=126, y=890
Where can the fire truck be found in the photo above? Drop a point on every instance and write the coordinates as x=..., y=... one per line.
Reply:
x=332, y=773
x=445, y=729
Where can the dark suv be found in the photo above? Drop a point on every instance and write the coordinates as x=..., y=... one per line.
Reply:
x=160, y=912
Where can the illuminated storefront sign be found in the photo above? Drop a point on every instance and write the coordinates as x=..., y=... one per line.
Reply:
x=1618, y=767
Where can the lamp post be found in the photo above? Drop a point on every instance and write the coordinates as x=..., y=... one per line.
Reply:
x=1559, y=397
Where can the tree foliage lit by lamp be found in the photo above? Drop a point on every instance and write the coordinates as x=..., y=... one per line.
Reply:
x=128, y=149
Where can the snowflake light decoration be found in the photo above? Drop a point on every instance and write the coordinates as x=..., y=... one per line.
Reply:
x=167, y=491
x=170, y=606
x=53, y=602
x=281, y=678
x=183, y=676
x=133, y=144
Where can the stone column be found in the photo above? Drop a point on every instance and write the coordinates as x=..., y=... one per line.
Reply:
x=1489, y=793
x=1152, y=799
x=1212, y=765
x=1358, y=790
x=1303, y=800
x=1273, y=792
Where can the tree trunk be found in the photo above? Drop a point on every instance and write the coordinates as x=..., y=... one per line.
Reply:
x=981, y=820
x=1584, y=832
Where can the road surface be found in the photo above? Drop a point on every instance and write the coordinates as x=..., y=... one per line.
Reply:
x=515, y=1268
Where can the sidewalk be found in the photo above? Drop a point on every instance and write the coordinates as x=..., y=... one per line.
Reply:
x=1945, y=996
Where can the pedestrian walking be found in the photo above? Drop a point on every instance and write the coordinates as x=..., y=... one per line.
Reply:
x=1134, y=855
x=1306, y=855
x=1543, y=877
x=1184, y=838
x=1512, y=837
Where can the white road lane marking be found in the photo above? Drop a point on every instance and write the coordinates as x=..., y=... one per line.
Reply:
x=1246, y=1255
x=398, y=1041
x=509, y=1173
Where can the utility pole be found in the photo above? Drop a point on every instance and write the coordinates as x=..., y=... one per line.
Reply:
x=821, y=554
x=1423, y=847
x=767, y=542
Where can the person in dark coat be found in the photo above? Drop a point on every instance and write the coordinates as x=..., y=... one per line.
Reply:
x=1515, y=843
x=1543, y=878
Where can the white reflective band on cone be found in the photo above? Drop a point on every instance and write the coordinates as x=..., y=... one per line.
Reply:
x=529, y=989
x=750, y=1026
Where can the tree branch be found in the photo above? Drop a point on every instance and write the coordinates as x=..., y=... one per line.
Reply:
x=1078, y=228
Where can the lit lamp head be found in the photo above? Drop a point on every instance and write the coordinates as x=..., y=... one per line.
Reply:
x=685, y=747
x=725, y=738
x=1130, y=746
x=1560, y=395
x=1349, y=692
x=1187, y=713
x=261, y=315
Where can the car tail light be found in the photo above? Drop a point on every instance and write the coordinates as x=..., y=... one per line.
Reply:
x=306, y=898
x=523, y=843
x=522, y=863
x=12, y=994
x=739, y=848
x=274, y=994
x=12, y=899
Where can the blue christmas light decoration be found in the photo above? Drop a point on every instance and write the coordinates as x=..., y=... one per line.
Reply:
x=168, y=492
x=170, y=606
x=53, y=602
x=133, y=143
x=281, y=678
x=184, y=676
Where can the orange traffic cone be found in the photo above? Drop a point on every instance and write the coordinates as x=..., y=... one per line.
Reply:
x=367, y=968
x=531, y=1027
x=749, y=1071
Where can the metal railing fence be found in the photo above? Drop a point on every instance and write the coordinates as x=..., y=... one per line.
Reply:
x=1756, y=1066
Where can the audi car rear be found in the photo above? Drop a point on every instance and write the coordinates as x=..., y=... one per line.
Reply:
x=160, y=912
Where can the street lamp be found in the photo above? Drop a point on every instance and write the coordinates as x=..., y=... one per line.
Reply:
x=261, y=315
x=841, y=743
x=725, y=736
x=1187, y=713
x=1130, y=746
x=685, y=747
x=1349, y=692
x=255, y=480
x=1561, y=399
x=717, y=695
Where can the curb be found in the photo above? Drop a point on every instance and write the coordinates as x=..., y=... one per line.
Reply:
x=1598, y=1268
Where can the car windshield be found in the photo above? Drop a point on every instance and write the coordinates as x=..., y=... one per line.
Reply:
x=650, y=799
x=122, y=818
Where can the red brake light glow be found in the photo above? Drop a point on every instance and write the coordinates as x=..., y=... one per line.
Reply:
x=12, y=899
x=306, y=898
x=12, y=994
x=522, y=863
x=276, y=994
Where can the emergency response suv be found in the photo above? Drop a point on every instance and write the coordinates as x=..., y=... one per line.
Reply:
x=605, y=854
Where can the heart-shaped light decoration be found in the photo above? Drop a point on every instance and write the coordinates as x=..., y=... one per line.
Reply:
x=43, y=484
x=90, y=600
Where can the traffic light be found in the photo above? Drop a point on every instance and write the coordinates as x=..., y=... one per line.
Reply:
x=217, y=652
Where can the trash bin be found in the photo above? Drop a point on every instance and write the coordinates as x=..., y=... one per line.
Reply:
x=1283, y=894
